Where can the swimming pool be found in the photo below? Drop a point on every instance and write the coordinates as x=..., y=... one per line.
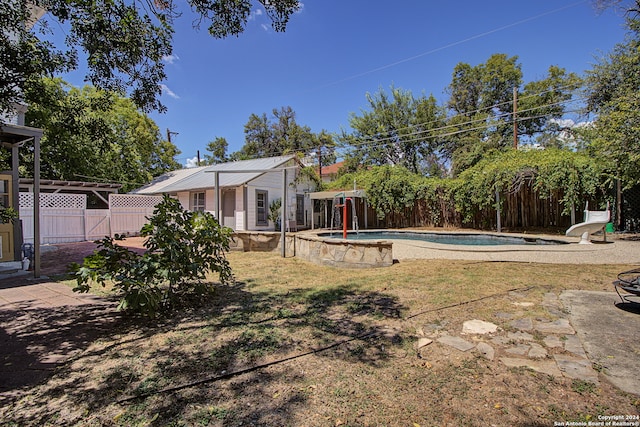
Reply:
x=464, y=239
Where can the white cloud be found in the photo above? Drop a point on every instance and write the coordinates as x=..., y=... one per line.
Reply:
x=166, y=90
x=254, y=14
x=170, y=59
x=584, y=124
x=192, y=163
x=564, y=123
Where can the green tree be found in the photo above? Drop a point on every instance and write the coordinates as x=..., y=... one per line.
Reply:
x=612, y=88
x=259, y=141
x=324, y=148
x=281, y=135
x=543, y=102
x=481, y=100
x=398, y=129
x=95, y=134
x=124, y=40
x=218, y=149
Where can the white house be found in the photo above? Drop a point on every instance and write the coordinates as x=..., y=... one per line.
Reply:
x=246, y=189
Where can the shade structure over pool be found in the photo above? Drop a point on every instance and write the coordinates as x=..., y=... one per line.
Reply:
x=330, y=196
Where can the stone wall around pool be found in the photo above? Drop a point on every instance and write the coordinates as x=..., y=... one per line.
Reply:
x=332, y=252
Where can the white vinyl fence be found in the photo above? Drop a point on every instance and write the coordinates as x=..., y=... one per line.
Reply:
x=65, y=217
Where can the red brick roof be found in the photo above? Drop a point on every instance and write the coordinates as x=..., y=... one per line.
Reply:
x=331, y=169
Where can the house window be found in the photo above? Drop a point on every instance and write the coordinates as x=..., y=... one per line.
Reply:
x=4, y=193
x=197, y=201
x=262, y=208
x=300, y=209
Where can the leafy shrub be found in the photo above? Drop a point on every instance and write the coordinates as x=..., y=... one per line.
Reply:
x=181, y=247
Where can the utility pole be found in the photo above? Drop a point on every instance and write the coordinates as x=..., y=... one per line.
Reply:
x=515, y=118
x=169, y=133
x=198, y=155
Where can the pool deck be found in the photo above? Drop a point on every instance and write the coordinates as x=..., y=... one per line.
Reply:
x=618, y=249
x=614, y=251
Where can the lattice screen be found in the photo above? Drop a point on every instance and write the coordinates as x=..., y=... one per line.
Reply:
x=133, y=201
x=54, y=201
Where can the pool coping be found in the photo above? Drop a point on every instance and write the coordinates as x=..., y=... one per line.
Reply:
x=613, y=251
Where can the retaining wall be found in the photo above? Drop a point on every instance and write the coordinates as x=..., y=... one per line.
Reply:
x=333, y=252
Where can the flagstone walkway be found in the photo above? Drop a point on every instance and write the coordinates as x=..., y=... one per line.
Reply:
x=593, y=333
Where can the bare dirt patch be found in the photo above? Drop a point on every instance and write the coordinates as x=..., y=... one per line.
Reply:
x=292, y=343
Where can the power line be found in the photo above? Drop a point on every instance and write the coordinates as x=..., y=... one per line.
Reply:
x=420, y=130
x=378, y=141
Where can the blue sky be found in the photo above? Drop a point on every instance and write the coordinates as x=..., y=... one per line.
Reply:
x=335, y=51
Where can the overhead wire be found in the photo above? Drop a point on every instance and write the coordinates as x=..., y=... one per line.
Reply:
x=364, y=141
x=489, y=122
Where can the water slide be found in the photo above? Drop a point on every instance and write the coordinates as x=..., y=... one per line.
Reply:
x=594, y=221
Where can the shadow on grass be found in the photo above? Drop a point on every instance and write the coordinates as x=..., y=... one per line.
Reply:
x=193, y=353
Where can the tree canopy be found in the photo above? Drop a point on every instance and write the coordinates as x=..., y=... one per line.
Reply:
x=476, y=120
x=396, y=130
x=124, y=40
x=91, y=134
x=612, y=93
x=275, y=136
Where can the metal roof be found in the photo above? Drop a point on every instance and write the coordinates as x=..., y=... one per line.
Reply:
x=158, y=185
x=330, y=195
x=202, y=177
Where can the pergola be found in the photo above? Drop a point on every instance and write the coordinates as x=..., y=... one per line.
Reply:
x=327, y=196
x=82, y=187
x=13, y=137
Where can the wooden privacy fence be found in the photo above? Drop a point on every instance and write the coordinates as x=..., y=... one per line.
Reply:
x=65, y=218
x=519, y=211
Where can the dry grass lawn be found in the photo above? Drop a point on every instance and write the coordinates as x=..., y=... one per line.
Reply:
x=295, y=344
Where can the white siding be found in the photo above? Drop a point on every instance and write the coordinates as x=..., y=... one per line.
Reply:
x=240, y=209
x=183, y=198
x=271, y=182
x=210, y=200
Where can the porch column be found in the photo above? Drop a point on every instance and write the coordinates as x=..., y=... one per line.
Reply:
x=15, y=203
x=36, y=207
x=283, y=219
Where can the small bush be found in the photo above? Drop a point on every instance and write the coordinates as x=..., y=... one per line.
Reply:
x=181, y=247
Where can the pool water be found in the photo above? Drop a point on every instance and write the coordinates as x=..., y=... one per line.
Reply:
x=465, y=239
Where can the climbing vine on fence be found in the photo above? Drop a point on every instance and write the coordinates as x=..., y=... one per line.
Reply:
x=392, y=189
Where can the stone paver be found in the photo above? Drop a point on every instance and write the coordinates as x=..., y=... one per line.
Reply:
x=609, y=331
x=524, y=324
x=576, y=368
x=478, y=327
x=552, y=341
x=520, y=336
x=573, y=345
x=486, y=350
x=537, y=351
x=456, y=342
x=423, y=342
x=560, y=326
x=520, y=349
x=547, y=367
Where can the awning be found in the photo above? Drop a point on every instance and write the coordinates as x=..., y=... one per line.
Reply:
x=330, y=195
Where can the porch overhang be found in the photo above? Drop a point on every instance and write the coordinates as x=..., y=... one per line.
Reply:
x=13, y=137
